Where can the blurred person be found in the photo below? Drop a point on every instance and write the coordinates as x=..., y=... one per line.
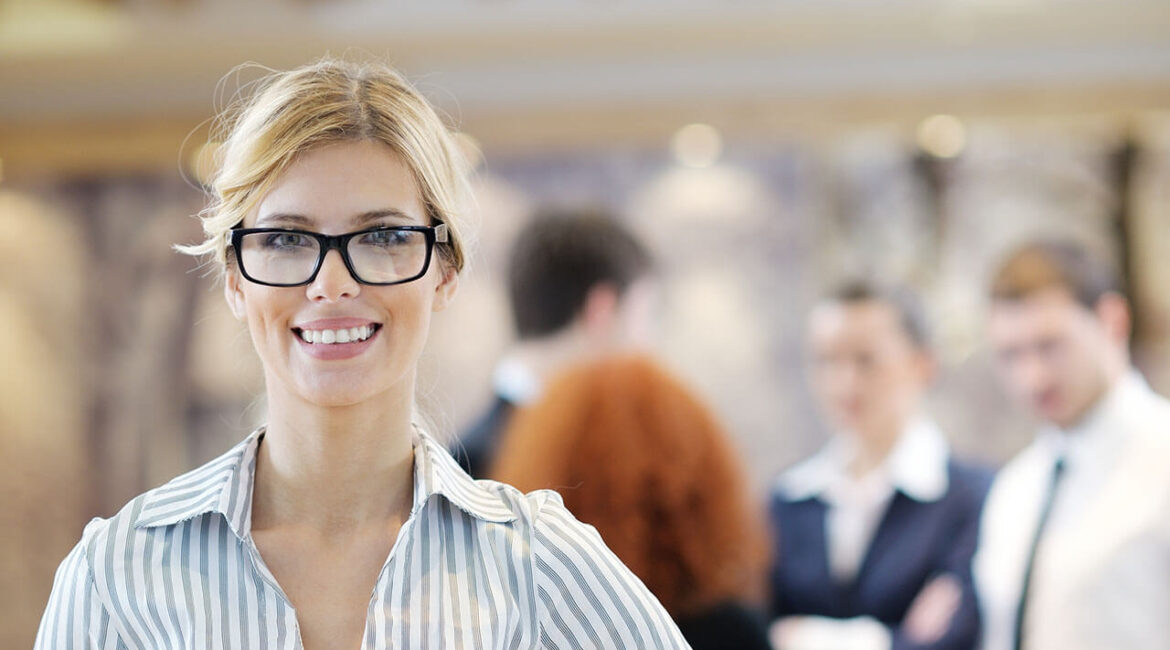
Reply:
x=874, y=534
x=579, y=288
x=1074, y=551
x=336, y=225
x=634, y=453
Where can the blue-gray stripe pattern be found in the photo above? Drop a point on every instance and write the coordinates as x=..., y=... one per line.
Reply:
x=478, y=565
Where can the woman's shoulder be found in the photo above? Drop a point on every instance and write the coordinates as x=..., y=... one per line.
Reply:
x=541, y=516
x=528, y=508
x=570, y=563
x=182, y=499
x=803, y=481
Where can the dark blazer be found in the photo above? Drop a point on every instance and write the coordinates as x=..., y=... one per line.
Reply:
x=914, y=543
x=727, y=626
x=475, y=450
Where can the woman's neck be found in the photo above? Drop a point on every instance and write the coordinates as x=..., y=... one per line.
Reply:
x=334, y=468
x=871, y=450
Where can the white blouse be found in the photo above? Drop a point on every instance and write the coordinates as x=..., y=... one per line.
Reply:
x=477, y=565
x=915, y=466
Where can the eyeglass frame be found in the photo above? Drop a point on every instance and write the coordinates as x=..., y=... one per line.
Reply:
x=437, y=234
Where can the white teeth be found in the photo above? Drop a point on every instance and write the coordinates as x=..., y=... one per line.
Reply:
x=326, y=337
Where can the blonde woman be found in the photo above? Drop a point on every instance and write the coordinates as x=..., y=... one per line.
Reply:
x=341, y=523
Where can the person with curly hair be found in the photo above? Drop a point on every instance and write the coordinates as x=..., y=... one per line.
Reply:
x=634, y=453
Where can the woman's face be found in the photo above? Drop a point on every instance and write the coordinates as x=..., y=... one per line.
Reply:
x=868, y=375
x=336, y=189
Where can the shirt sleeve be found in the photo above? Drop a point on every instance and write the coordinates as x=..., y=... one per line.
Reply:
x=817, y=632
x=75, y=618
x=964, y=629
x=586, y=598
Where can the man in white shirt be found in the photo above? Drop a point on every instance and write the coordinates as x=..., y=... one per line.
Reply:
x=1074, y=549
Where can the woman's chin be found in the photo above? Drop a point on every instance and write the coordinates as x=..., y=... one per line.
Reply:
x=346, y=385
x=335, y=401
x=334, y=394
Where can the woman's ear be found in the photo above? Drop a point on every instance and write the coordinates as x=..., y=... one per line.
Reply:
x=234, y=295
x=445, y=290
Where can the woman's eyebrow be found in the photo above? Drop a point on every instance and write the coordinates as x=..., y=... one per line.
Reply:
x=378, y=215
x=360, y=220
x=283, y=218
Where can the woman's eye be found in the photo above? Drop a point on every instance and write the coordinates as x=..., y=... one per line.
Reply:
x=287, y=240
x=385, y=238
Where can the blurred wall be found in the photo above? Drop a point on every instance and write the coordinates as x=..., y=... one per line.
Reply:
x=913, y=142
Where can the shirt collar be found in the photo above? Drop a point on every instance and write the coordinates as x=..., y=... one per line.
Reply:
x=225, y=486
x=1103, y=427
x=916, y=466
x=436, y=473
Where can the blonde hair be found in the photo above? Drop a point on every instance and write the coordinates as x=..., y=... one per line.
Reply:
x=331, y=101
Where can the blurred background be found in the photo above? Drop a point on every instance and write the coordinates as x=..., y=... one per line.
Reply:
x=763, y=150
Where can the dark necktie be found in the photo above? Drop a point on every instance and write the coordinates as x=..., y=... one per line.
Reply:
x=1022, y=606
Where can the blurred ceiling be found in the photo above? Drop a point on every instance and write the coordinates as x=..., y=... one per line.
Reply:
x=527, y=71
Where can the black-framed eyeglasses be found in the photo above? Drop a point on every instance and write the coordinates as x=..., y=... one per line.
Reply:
x=279, y=257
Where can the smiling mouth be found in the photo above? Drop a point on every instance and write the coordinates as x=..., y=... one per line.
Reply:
x=337, y=336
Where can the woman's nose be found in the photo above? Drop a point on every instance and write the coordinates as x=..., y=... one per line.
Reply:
x=333, y=281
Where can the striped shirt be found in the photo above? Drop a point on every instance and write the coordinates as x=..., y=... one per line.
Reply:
x=477, y=564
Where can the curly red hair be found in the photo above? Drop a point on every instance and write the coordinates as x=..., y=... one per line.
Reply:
x=636, y=455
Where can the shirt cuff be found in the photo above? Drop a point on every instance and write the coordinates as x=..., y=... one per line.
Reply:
x=820, y=633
